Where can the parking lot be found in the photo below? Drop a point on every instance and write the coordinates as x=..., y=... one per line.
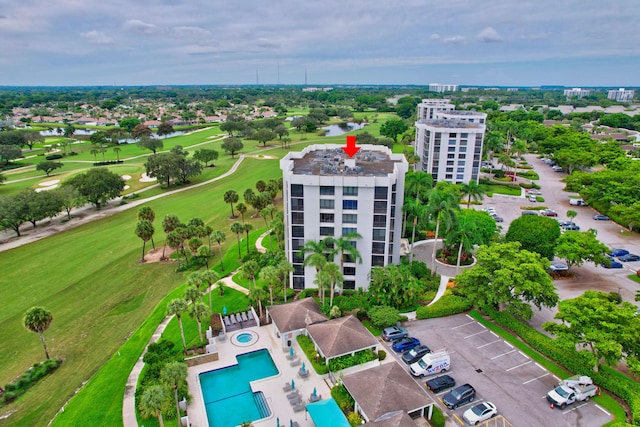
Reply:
x=500, y=373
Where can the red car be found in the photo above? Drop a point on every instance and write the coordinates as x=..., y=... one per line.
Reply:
x=549, y=212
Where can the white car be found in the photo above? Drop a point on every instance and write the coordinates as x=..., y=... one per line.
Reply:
x=479, y=413
x=489, y=210
x=558, y=266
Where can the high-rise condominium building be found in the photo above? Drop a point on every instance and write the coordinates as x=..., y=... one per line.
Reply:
x=576, y=92
x=621, y=95
x=328, y=194
x=449, y=142
x=437, y=87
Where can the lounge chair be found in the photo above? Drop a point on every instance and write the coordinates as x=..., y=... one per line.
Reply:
x=287, y=387
x=233, y=319
x=295, y=363
x=300, y=407
x=295, y=424
x=244, y=316
x=296, y=401
x=294, y=394
x=303, y=374
x=250, y=315
x=315, y=398
x=227, y=321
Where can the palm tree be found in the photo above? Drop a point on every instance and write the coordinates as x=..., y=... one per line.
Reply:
x=174, y=374
x=204, y=252
x=334, y=274
x=284, y=268
x=219, y=236
x=149, y=214
x=144, y=230
x=169, y=223
x=174, y=240
x=571, y=214
x=176, y=307
x=270, y=275
x=195, y=280
x=237, y=228
x=192, y=294
x=417, y=210
x=38, y=320
x=154, y=399
x=317, y=260
x=344, y=244
x=322, y=281
x=198, y=311
x=442, y=205
x=117, y=150
x=472, y=190
x=247, y=230
x=256, y=295
x=249, y=270
x=418, y=185
x=210, y=277
x=231, y=197
x=463, y=234
x=242, y=208
x=321, y=247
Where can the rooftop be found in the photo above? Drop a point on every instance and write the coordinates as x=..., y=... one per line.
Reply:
x=332, y=160
x=463, y=113
x=296, y=315
x=443, y=123
x=341, y=336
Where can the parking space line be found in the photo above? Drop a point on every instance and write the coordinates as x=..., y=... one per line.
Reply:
x=556, y=377
x=464, y=324
x=518, y=366
x=526, y=357
x=470, y=317
x=482, y=326
x=477, y=333
x=503, y=354
x=458, y=419
x=494, y=334
x=602, y=409
x=489, y=343
x=508, y=344
x=536, y=378
x=540, y=366
x=573, y=409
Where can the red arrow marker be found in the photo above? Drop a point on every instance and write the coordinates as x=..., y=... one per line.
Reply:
x=351, y=148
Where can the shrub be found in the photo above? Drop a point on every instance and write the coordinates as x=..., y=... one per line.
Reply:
x=54, y=156
x=309, y=349
x=437, y=419
x=310, y=292
x=342, y=398
x=447, y=305
x=347, y=361
x=351, y=303
x=354, y=418
x=108, y=162
x=382, y=355
x=290, y=294
x=28, y=379
x=382, y=316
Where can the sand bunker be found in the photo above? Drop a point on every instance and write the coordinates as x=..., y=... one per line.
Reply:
x=126, y=187
x=51, y=183
x=126, y=177
x=147, y=178
x=47, y=188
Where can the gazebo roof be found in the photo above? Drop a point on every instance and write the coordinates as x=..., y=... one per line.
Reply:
x=398, y=419
x=386, y=389
x=340, y=336
x=296, y=314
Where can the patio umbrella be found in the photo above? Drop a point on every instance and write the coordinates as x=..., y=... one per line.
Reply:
x=224, y=310
x=290, y=422
x=278, y=422
x=291, y=351
x=304, y=368
x=293, y=384
x=315, y=393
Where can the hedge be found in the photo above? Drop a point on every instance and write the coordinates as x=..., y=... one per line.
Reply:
x=447, y=305
x=54, y=156
x=107, y=162
x=310, y=351
x=574, y=361
x=28, y=379
x=347, y=361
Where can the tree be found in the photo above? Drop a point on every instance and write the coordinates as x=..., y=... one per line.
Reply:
x=199, y=312
x=38, y=320
x=629, y=215
x=12, y=213
x=153, y=401
x=237, y=228
x=169, y=223
x=219, y=236
x=345, y=244
x=264, y=135
x=167, y=166
x=69, y=198
x=144, y=230
x=393, y=128
x=165, y=128
x=204, y=252
x=472, y=190
x=117, y=150
x=128, y=123
x=231, y=197
x=69, y=130
x=535, y=233
x=443, y=204
x=247, y=229
x=176, y=307
x=472, y=228
x=153, y=144
x=140, y=131
x=284, y=268
x=250, y=270
x=506, y=277
x=48, y=166
x=98, y=185
x=571, y=214
x=242, y=208
x=9, y=153
x=149, y=214
x=175, y=240
x=232, y=146
x=394, y=286
x=205, y=156
x=257, y=295
x=578, y=247
x=174, y=375
x=598, y=323
x=210, y=276
x=271, y=275
x=335, y=278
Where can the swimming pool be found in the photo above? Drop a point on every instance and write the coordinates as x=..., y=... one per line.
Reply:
x=227, y=394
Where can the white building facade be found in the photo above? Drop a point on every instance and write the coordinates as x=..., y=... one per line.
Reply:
x=449, y=142
x=621, y=95
x=437, y=87
x=576, y=92
x=328, y=194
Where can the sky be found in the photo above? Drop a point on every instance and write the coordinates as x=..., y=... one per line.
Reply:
x=199, y=42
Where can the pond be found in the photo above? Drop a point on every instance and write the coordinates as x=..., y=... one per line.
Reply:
x=342, y=128
x=86, y=132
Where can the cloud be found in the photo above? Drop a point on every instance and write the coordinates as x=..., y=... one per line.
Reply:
x=489, y=35
x=435, y=36
x=97, y=37
x=193, y=32
x=267, y=44
x=137, y=26
x=454, y=40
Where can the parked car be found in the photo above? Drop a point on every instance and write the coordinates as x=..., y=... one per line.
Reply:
x=549, y=212
x=497, y=218
x=629, y=258
x=440, y=383
x=558, y=169
x=480, y=412
x=619, y=252
x=489, y=210
x=393, y=333
x=534, y=191
x=612, y=263
x=577, y=202
x=533, y=198
x=415, y=354
x=405, y=344
x=529, y=213
x=600, y=217
x=459, y=396
x=563, y=223
x=558, y=266
x=571, y=227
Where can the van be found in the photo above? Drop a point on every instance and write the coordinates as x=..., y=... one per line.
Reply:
x=430, y=364
x=577, y=202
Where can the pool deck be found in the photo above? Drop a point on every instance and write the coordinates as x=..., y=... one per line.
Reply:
x=271, y=387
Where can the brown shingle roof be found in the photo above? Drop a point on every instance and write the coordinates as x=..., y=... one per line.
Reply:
x=341, y=336
x=384, y=389
x=401, y=419
x=296, y=315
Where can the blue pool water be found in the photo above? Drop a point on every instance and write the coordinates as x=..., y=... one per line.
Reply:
x=227, y=394
x=244, y=337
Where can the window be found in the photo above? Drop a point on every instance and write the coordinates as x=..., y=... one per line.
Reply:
x=297, y=257
x=350, y=204
x=349, y=271
x=460, y=170
x=297, y=190
x=297, y=217
x=464, y=135
x=348, y=230
x=460, y=176
x=463, y=149
x=297, y=243
x=379, y=220
x=452, y=135
x=326, y=231
x=297, y=231
x=451, y=149
x=349, y=284
x=451, y=156
x=298, y=269
x=326, y=190
x=326, y=204
x=378, y=234
x=449, y=162
x=327, y=217
x=377, y=248
x=377, y=260
x=381, y=192
x=461, y=162
x=463, y=142
x=449, y=170
x=349, y=191
x=380, y=207
x=297, y=204
x=350, y=218
x=448, y=176
x=462, y=156
x=452, y=142
x=298, y=283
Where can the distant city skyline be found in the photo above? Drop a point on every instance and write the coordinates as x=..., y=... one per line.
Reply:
x=581, y=43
